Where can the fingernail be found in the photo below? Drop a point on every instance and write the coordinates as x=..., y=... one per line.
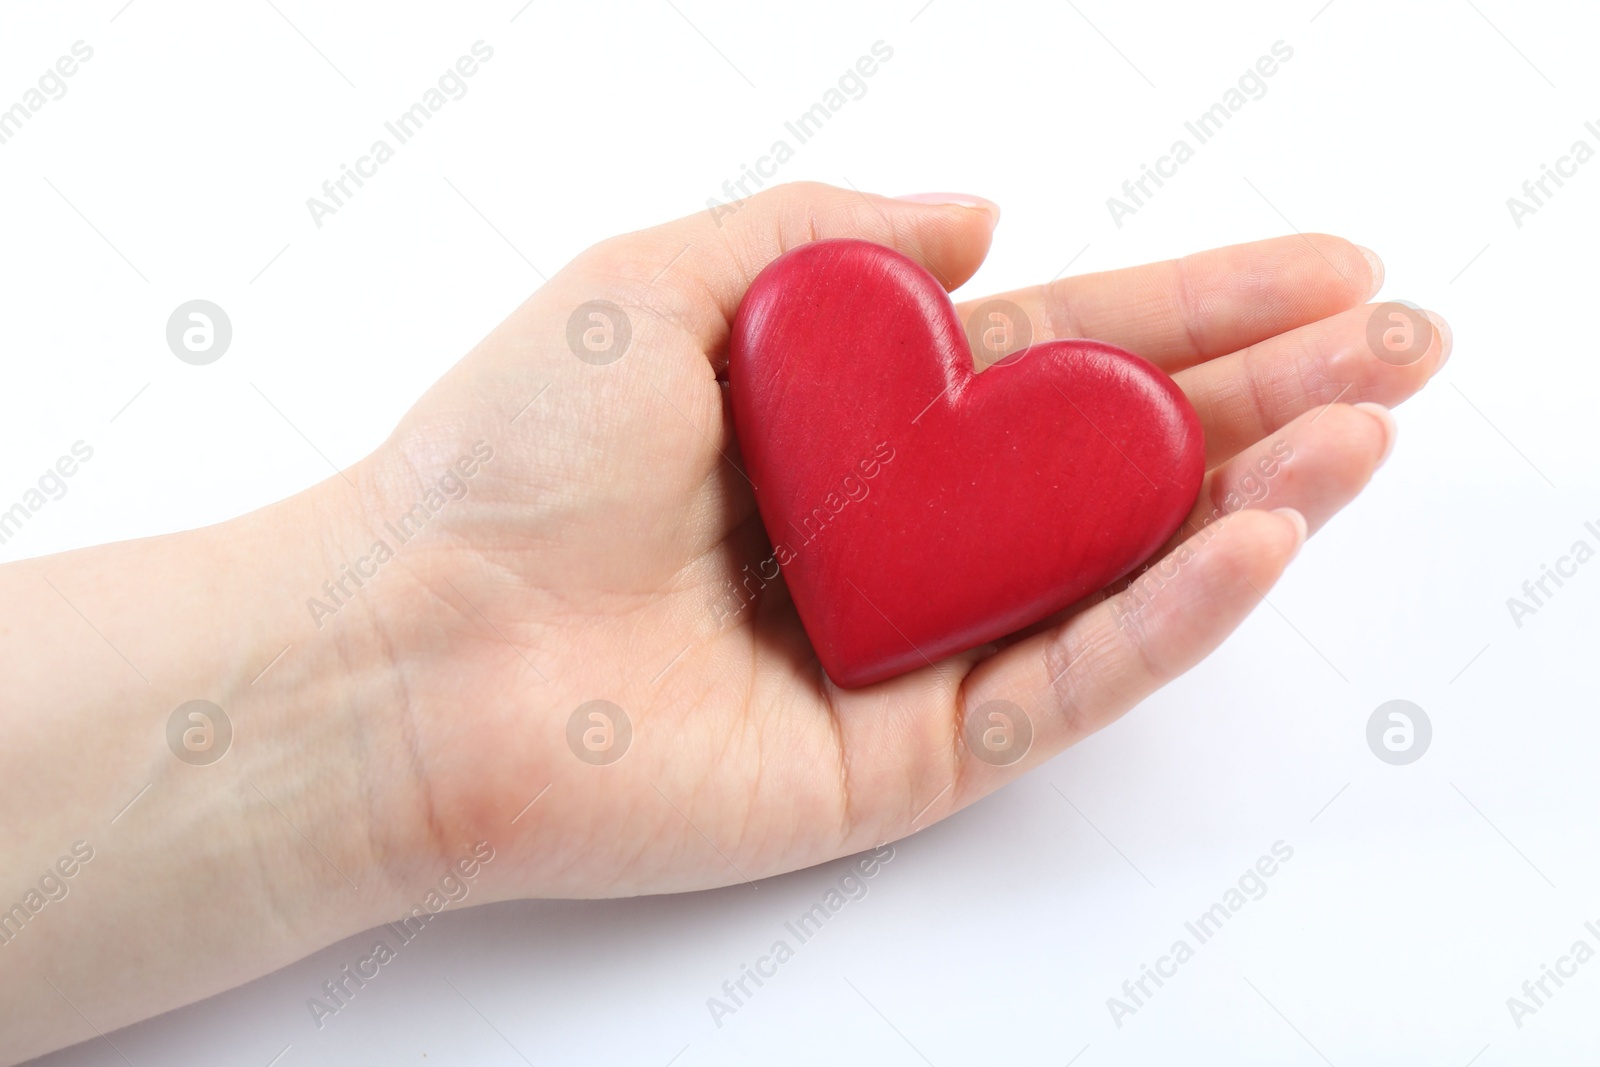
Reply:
x=955, y=200
x=1298, y=521
x=1446, y=339
x=1375, y=265
x=1386, y=421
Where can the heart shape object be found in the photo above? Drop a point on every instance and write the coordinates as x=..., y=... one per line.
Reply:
x=917, y=507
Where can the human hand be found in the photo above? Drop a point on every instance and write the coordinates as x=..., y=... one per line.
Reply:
x=557, y=530
x=600, y=555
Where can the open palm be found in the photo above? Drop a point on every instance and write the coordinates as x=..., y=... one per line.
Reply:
x=605, y=552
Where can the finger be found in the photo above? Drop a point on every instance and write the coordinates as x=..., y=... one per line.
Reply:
x=1247, y=395
x=1081, y=676
x=928, y=743
x=1315, y=465
x=694, y=271
x=1184, y=311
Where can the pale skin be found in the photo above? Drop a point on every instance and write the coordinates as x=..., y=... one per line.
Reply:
x=592, y=558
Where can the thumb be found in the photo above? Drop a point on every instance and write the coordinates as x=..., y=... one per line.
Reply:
x=695, y=270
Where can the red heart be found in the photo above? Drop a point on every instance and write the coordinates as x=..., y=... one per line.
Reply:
x=918, y=508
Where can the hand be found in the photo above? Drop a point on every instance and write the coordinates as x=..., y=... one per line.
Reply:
x=401, y=648
x=600, y=554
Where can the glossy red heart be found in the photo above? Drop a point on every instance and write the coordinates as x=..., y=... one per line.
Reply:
x=918, y=508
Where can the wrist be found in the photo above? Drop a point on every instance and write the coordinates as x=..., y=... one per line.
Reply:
x=292, y=804
x=332, y=701
x=228, y=838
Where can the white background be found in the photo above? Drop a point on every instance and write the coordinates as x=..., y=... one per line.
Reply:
x=1417, y=901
